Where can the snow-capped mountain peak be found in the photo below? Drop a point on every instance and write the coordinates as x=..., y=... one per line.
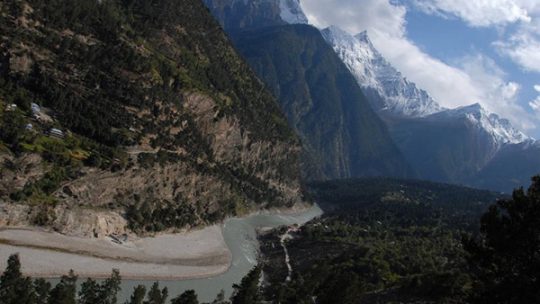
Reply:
x=363, y=37
x=395, y=94
x=390, y=92
x=500, y=129
x=291, y=12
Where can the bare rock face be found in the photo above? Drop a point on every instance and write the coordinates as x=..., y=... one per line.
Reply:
x=206, y=191
x=15, y=172
x=74, y=222
x=88, y=223
x=14, y=215
x=231, y=145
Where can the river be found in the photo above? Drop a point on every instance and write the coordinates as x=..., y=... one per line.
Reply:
x=240, y=236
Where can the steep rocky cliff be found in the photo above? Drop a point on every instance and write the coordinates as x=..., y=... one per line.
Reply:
x=134, y=115
x=341, y=135
x=236, y=15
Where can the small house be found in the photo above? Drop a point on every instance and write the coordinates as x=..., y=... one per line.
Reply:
x=11, y=107
x=54, y=132
x=36, y=109
x=29, y=127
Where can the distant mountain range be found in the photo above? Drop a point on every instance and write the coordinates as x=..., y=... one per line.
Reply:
x=388, y=90
x=451, y=145
x=466, y=145
x=392, y=94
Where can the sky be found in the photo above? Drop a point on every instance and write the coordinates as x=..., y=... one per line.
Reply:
x=460, y=51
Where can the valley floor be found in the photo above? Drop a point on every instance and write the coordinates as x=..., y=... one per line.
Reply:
x=197, y=254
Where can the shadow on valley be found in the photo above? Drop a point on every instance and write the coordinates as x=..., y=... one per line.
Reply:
x=380, y=241
x=396, y=241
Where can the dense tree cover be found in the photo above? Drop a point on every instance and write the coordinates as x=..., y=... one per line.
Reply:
x=248, y=292
x=14, y=288
x=355, y=193
x=18, y=289
x=160, y=216
x=505, y=258
x=380, y=240
x=105, y=293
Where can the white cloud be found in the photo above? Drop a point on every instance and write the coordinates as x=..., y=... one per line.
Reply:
x=385, y=23
x=356, y=16
x=431, y=74
x=523, y=46
x=469, y=80
x=535, y=104
x=498, y=94
x=479, y=12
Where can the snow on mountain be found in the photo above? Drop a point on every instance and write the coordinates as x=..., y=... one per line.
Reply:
x=397, y=95
x=500, y=129
x=400, y=96
x=291, y=12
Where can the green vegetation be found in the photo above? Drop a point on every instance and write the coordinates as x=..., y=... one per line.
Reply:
x=18, y=289
x=122, y=41
x=371, y=253
x=247, y=292
x=505, y=258
x=119, y=73
x=380, y=241
x=160, y=216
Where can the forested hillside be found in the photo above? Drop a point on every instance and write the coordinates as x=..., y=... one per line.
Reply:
x=379, y=241
x=138, y=106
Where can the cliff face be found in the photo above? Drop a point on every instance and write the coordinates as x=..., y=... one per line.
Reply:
x=341, y=135
x=162, y=126
x=235, y=15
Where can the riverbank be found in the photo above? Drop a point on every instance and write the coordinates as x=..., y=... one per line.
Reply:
x=197, y=254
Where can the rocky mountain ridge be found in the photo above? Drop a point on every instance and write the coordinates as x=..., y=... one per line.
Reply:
x=234, y=15
x=461, y=142
x=389, y=90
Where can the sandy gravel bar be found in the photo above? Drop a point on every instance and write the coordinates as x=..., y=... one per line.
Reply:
x=197, y=254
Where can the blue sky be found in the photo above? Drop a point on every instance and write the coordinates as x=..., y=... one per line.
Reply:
x=460, y=51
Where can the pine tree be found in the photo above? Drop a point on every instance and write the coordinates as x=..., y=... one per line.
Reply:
x=110, y=288
x=14, y=288
x=42, y=289
x=248, y=291
x=9, y=280
x=187, y=297
x=104, y=293
x=156, y=296
x=89, y=293
x=506, y=257
x=65, y=291
x=138, y=295
x=220, y=298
